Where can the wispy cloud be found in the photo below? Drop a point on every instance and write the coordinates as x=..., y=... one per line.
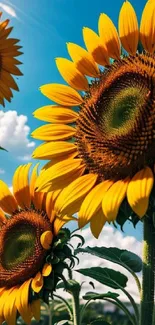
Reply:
x=2, y=171
x=8, y=9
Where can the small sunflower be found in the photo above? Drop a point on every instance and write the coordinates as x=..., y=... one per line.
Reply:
x=102, y=152
x=27, y=235
x=9, y=49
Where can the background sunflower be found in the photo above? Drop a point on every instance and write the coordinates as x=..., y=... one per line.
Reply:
x=28, y=233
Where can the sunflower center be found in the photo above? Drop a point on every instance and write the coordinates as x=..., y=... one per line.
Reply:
x=123, y=108
x=19, y=246
x=21, y=253
x=116, y=125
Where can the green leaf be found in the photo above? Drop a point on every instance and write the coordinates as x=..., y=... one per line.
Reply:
x=128, y=260
x=106, y=276
x=95, y=295
x=99, y=321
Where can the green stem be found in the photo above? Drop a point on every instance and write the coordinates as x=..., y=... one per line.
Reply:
x=76, y=308
x=148, y=282
x=69, y=309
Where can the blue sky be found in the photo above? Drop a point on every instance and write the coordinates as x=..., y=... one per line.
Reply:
x=44, y=27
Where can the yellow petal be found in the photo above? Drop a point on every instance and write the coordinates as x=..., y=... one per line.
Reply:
x=51, y=150
x=109, y=36
x=113, y=198
x=21, y=186
x=83, y=60
x=37, y=283
x=47, y=269
x=10, y=309
x=128, y=28
x=46, y=239
x=72, y=196
x=50, y=200
x=97, y=222
x=22, y=302
x=56, y=114
x=62, y=94
x=139, y=191
x=59, y=159
x=95, y=47
x=56, y=172
x=147, y=27
x=35, y=308
x=92, y=202
x=59, y=222
x=7, y=201
x=33, y=179
x=3, y=218
x=53, y=132
x=3, y=298
x=71, y=74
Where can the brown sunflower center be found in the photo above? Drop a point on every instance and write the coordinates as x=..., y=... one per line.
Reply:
x=21, y=253
x=116, y=125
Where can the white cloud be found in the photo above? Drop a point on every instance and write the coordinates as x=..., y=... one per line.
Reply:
x=108, y=238
x=14, y=135
x=8, y=9
x=2, y=171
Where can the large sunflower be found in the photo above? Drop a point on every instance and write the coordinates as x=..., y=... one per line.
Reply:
x=102, y=154
x=9, y=49
x=27, y=233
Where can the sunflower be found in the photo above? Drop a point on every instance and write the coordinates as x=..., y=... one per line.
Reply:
x=9, y=49
x=27, y=233
x=102, y=152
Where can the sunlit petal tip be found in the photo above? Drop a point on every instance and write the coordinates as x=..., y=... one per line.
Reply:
x=62, y=94
x=95, y=47
x=46, y=239
x=71, y=74
x=139, y=190
x=97, y=223
x=147, y=26
x=83, y=60
x=128, y=28
x=113, y=198
x=109, y=36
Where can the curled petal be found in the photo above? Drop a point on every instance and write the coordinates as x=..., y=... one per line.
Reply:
x=46, y=239
x=139, y=191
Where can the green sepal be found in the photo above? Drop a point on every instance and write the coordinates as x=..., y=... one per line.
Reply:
x=127, y=259
x=95, y=295
x=106, y=276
